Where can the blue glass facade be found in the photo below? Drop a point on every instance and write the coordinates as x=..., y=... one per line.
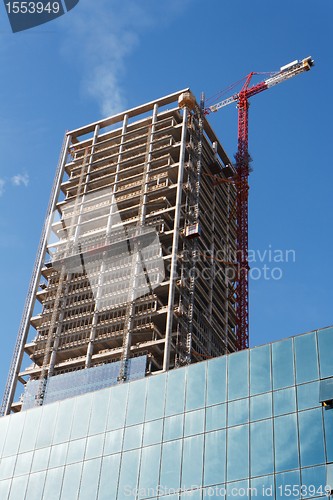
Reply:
x=246, y=425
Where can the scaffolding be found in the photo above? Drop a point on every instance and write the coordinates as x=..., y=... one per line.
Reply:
x=137, y=250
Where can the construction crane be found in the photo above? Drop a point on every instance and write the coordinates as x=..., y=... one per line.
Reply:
x=241, y=181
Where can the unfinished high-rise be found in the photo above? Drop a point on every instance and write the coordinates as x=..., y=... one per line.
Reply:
x=134, y=273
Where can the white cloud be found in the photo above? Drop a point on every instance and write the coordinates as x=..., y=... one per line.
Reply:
x=2, y=186
x=20, y=179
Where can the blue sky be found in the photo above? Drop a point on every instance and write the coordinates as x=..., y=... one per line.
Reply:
x=108, y=55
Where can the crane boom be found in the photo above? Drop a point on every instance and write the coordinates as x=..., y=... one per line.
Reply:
x=241, y=293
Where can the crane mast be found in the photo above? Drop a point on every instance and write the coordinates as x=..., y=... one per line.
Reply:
x=242, y=186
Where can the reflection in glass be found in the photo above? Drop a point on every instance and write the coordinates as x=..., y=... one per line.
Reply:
x=308, y=395
x=4, y=422
x=261, y=406
x=217, y=381
x=196, y=386
x=152, y=433
x=136, y=402
x=117, y=408
x=311, y=437
x=99, y=411
x=328, y=423
x=283, y=364
x=81, y=416
x=132, y=437
x=238, y=375
x=90, y=479
x=64, y=421
x=109, y=477
x=286, y=443
x=306, y=358
x=171, y=464
x=40, y=460
x=58, y=455
x=53, y=483
x=155, y=397
x=35, y=486
x=94, y=446
x=173, y=427
x=129, y=470
x=191, y=495
x=263, y=487
x=4, y=488
x=261, y=438
x=260, y=370
x=325, y=344
x=238, y=453
x=238, y=412
x=215, y=457
x=71, y=482
x=194, y=422
x=30, y=430
x=18, y=487
x=7, y=467
x=287, y=483
x=314, y=481
x=284, y=401
x=238, y=490
x=113, y=442
x=149, y=470
x=175, y=397
x=14, y=431
x=192, y=469
x=23, y=463
x=216, y=417
x=76, y=450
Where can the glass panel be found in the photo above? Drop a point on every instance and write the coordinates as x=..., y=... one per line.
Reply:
x=58, y=455
x=171, y=464
x=283, y=364
x=238, y=490
x=217, y=380
x=76, y=450
x=117, y=409
x=40, y=460
x=14, y=433
x=263, y=487
x=306, y=358
x=4, y=422
x=173, y=427
x=313, y=481
x=325, y=345
x=35, y=486
x=192, y=469
x=113, y=442
x=18, y=487
x=129, y=470
x=133, y=437
x=149, y=471
x=286, y=443
x=71, y=482
x=284, y=401
x=136, y=402
x=99, y=412
x=4, y=488
x=194, y=422
x=261, y=406
x=155, y=396
x=30, y=430
x=261, y=439
x=94, y=446
x=311, y=437
x=238, y=453
x=64, y=421
x=260, y=370
x=195, y=386
x=90, y=479
x=81, y=416
x=216, y=417
x=215, y=456
x=191, y=495
x=238, y=412
x=7, y=467
x=47, y=424
x=53, y=484
x=152, y=433
x=287, y=484
x=23, y=463
x=238, y=375
x=109, y=477
x=216, y=492
x=308, y=395
x=328, y=414
x=175, y=398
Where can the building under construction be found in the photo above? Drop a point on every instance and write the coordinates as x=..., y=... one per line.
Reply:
x=134, y=270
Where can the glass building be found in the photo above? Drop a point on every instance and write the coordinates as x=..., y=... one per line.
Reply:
x=252, y=424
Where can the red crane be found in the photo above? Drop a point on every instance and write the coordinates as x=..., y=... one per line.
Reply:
x=241, y=181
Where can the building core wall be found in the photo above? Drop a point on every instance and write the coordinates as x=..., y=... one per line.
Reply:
x=138, y=249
